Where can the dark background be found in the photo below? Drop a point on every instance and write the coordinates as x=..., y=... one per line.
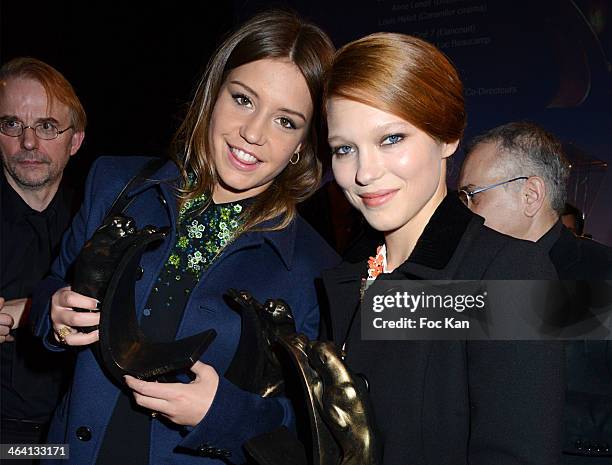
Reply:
x=134, y=65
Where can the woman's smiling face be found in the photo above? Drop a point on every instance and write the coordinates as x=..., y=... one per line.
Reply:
x=390, y=170
x=260, y=119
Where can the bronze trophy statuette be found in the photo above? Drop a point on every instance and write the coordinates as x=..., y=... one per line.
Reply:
x=340, y=420
x=269, y=351
x=107, y=269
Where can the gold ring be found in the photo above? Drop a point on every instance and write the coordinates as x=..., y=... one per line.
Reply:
x=154, y=414
x=62, y=333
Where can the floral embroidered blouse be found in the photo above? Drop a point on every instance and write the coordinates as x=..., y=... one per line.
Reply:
x=200, y=238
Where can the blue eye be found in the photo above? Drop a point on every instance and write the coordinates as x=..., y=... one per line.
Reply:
x=242, y=100
x=392, y=139
x=342, y=150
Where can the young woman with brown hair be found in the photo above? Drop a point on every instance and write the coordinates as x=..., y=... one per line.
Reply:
x=246, y=154
x=395, y=113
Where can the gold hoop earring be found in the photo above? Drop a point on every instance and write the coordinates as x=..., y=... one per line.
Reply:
x=296, y=160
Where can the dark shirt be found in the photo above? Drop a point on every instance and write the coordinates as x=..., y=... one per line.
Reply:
x=32, y=377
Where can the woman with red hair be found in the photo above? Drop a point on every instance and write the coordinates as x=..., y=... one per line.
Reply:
x=395, y=112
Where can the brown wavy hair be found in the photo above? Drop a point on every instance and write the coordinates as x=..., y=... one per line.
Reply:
x=271, y=34
x=404, y=76
x=55, y=84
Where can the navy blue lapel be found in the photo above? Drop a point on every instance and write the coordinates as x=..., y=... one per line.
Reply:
x=166, y=176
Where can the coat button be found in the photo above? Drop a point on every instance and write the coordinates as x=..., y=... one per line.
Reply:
x=83, y=433
x=139, y=273
x=204, y=449
x=209, y=451
x=578, y=445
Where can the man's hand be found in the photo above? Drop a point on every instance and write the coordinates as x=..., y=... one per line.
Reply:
x=16, y=309
x=6, y=323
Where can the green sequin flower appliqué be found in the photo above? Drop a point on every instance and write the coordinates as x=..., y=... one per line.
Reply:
x=201, y=236
x=195, y=230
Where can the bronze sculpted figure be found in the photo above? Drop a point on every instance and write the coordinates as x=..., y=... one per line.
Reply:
x=343, y=402
x=106, y=269
x=262, y=325
x=96, y=262
x=340, y=420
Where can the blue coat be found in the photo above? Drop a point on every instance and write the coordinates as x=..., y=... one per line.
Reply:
x=282, y=264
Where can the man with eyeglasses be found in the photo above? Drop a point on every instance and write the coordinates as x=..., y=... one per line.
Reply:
x=515, y=177
x=42, y=125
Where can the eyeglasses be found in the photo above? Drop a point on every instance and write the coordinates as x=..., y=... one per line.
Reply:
x=45, y=130
x=466, y=196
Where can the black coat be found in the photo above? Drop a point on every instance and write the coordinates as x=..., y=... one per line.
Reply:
x=457, y=402
x=587, y=437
